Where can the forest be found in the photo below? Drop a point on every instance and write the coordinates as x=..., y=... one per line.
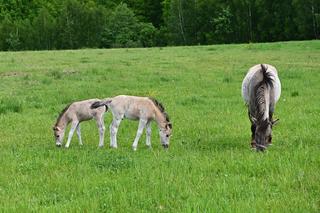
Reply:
x=75, y=24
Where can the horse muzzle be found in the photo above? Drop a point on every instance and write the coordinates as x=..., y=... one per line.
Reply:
x=260, y=147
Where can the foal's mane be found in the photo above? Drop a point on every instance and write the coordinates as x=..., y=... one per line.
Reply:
x=160, y=107
x=260, y=102
x=61, y=114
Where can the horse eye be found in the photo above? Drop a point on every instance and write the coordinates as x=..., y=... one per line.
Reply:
x=167, y=136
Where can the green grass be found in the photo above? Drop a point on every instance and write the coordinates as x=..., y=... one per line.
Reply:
x=209, y=166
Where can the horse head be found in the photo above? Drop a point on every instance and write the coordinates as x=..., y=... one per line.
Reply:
x=263, y=133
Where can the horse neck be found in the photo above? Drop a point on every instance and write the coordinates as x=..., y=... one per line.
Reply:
x=63, y=121
x=160, y=118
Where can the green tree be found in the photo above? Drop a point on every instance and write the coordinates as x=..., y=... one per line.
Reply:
x=147, y=10
x=147, y=34
x=181, y=22
x=69, y=25
x=94, y=22
x=222, y=26
x=122, y=28
x=45, y=26
x=27, y=38
x=13, y=41
x=7, y=30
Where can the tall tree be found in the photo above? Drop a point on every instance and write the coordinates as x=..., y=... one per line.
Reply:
x=45, y=33
x=181, y=22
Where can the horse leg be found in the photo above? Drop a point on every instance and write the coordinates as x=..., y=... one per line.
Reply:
x=253, y=131
x=101, y=127
x=148, y=134
x=73, y=127
x=113, y=132
x=142, y=124
x=270, y=118
x=79, y=134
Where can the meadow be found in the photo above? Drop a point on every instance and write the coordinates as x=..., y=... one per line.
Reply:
x=209, y=166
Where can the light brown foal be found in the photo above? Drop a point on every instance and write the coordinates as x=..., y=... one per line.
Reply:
x=75, y=113
x=145, y=110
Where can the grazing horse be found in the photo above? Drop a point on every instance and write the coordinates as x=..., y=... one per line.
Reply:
x=76, y=113
x=261, y=89
x=145, y=110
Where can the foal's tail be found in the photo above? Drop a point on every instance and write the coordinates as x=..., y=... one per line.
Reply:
x=104, y=102
x=267, y=76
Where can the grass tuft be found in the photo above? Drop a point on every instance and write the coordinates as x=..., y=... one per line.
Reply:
x=56, y=74
x=295, y=94
x=10, y=105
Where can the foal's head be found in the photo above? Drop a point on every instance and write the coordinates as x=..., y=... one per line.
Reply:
x=165, y=125
x=165, y=134
x=58, y=135
x=58, y=129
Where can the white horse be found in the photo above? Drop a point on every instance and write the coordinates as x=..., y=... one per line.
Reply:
x=145, y=110
x=261, y=89
x=76, y=113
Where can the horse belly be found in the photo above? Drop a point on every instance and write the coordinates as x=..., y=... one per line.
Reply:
x=85, y=117
x=131, y=116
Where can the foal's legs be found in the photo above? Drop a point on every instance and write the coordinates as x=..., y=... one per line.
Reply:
x=100, y=124
x=79, y=134
x=142, y=124
x=73, y=127
x=148, y=134
x=113, y=132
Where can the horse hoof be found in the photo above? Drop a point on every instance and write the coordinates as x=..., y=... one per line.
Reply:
x=261, y=148
x=165, y=146
x=134, y=148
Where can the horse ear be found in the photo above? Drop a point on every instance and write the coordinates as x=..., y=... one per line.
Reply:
x=275, y=122
x=55, y=128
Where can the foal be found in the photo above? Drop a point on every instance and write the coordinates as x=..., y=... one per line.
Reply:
x=261, y=89
x=76, y=113
x=145, y=110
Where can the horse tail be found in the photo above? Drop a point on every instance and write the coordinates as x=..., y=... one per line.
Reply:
x=267, y=76
x=104, y=102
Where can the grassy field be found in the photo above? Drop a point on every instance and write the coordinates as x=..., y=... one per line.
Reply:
x=209, y=166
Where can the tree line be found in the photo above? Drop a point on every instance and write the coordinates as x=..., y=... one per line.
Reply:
x=73, y=24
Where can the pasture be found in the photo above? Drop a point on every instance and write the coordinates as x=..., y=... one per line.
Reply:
x=209, y=166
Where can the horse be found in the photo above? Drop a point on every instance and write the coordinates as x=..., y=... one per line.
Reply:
x=144, y=109
x=261, y=90
x=75, y=113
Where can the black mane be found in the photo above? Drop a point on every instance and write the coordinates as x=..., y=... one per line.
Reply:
x=259, y=94
x=61, y=114
x=267, y=76
x=160, y=107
